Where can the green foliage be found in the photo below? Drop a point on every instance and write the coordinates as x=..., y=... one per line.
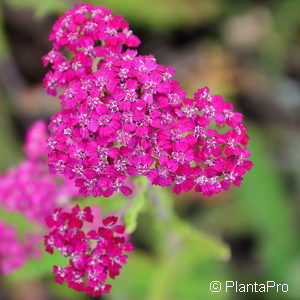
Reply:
x=139, y=200
x=41, y=8
x=159, y=15
x=17, y=220
x=164, y=15
x=180, y=275
x=265, y=202
x=39, y=268
x=107, y=205
x=207, y=246
x=184, y=253
x=184, y=275
x=134, y=281
x=184, y=263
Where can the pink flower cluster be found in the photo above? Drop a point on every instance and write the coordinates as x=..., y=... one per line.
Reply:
x=123, y=115
x=29, y=188
x=86, y=32
x=94, y=255
x=13, y=252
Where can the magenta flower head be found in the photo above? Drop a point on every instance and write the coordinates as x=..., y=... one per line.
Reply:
x=94, y=255
x=14, y=253
x=29, y=188
x=123, y=115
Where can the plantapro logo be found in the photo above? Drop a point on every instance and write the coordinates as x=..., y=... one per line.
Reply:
x=253, y=287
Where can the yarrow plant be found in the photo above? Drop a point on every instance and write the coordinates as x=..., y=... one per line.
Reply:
x=123, y=115
x=123, y=120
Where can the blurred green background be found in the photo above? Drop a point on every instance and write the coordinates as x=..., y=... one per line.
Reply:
x=248, y=51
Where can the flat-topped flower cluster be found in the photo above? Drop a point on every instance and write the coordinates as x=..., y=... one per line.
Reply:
x=124, y=115
x=94, y=255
